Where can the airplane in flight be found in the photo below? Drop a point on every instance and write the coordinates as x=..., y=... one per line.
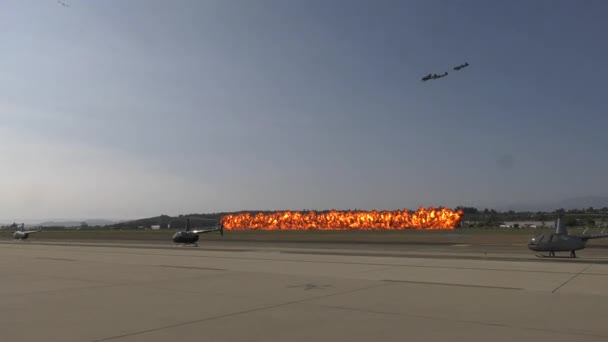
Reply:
x=433, y=76
x=23, y=234
x=561, y=241
x=427, y=77
x=190, y=237
x=461, y=66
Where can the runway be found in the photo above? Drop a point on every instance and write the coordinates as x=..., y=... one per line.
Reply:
x=255, y=291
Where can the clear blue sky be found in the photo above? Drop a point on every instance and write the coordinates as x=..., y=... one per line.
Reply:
x=124, y=109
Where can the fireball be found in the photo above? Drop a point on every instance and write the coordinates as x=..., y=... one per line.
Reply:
x=422, y=218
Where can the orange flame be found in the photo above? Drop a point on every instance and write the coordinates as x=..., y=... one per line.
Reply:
x=346, y=220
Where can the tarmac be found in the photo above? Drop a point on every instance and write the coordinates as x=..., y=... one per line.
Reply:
x=76, y=291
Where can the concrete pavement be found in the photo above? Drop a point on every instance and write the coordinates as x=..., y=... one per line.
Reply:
x=110, y=293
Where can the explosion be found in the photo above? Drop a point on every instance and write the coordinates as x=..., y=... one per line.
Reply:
x=346, y=220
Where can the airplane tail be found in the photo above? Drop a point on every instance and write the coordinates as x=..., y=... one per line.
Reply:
x=221, y=227
x=187, y=224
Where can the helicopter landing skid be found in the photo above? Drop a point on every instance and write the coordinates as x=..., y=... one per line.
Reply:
x=186, y=245
x=554, y=257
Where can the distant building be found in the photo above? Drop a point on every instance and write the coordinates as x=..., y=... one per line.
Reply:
x=528, y=224
x=466, y=224
x=155, y=227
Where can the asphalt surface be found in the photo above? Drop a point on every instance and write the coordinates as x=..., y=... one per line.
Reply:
x=493, y=245
x=264, y=291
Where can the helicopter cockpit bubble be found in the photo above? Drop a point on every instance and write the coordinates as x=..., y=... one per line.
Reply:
x=536, y=240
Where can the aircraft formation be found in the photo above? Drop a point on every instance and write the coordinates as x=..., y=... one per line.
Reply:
x=435, y=76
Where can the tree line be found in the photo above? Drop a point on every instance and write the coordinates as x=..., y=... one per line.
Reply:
x=588, y=217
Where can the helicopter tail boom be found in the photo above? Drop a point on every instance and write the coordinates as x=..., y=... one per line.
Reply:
x=594, y=236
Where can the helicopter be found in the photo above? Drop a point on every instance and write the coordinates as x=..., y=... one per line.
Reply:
x=23, y=234
x=561, y=241
x=190, y=237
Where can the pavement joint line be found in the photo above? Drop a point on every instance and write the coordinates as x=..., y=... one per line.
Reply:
x=596, y=274
x=58, y=259
x=133, y=242
x=328, y=262
x=53, y=276
x=571, y=278
x=408, y=254
x=236, y=313
x=372, y=270
x=581, y=333
x=372, y=254
x=394, y=265
x=112, y=245
x=192, y=267
x=33, y=293
x=61, y=278
x=226, y=245
x=339, y=262
x=452, y=257
x=102, y=284
x=188, y=292
x=151, y=286
x=452, y=284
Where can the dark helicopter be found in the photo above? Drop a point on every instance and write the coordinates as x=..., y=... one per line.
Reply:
x=190, y=237
x=461, y=66
x=561, y=241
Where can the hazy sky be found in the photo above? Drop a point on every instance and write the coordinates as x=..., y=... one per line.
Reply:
x=124, y=109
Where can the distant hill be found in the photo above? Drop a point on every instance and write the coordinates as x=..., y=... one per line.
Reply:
x=176, y=222
x=90, y=222
x=582, y=202
x=179, y=222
